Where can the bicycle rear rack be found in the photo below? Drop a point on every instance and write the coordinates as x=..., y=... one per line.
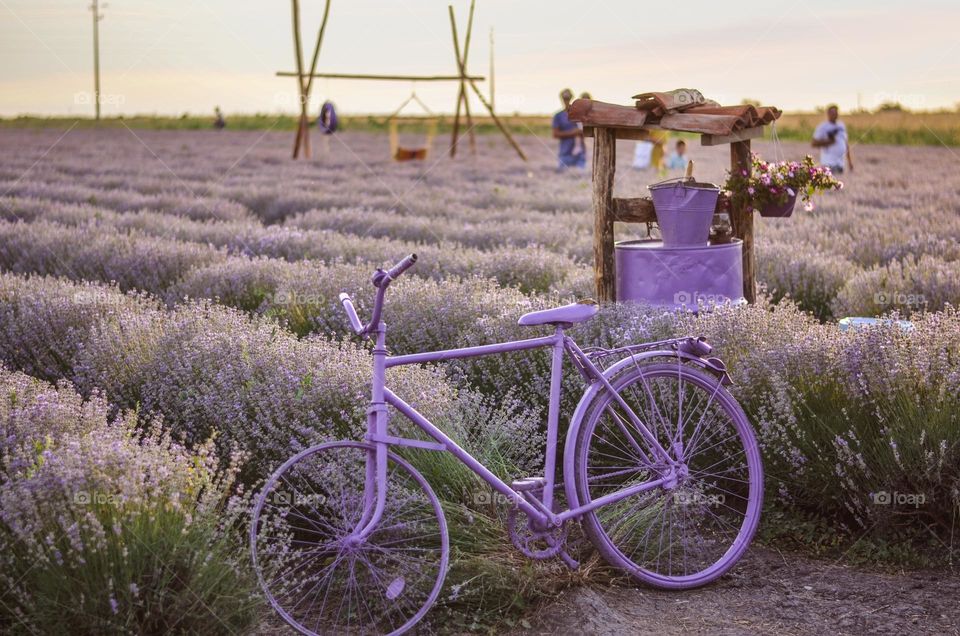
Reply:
x=686, y=349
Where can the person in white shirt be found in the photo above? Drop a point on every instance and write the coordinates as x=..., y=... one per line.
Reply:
x=831, y=138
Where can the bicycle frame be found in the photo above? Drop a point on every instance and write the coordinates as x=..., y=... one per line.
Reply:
x=540, y=510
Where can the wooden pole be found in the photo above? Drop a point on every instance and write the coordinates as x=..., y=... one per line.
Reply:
x=399, y=78
x=604, y=168
x=303, y=132
x=463, y=71
x=316, y=49
x=462, y=97
x=742, y=221
x=456, y=113
x=496, y=120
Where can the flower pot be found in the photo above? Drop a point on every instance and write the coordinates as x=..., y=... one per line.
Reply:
x=684, y=210
x=780, y=210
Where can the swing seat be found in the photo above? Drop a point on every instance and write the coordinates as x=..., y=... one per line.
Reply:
x=398, y=152
x=410, y=154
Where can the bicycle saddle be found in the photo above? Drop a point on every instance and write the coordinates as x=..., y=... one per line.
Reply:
x=566, y=315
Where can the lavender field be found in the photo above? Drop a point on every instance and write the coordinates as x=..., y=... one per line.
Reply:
x=170, y=333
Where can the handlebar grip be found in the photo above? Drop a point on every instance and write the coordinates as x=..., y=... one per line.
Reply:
x=402, y=266
x=351, y=312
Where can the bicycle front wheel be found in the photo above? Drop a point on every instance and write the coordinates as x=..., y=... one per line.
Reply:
x=316, y=570
x=692, y=528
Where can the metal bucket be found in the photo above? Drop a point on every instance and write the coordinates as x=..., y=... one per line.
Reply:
x=684, y=211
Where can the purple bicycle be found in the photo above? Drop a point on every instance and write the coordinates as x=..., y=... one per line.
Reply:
x=660, y=467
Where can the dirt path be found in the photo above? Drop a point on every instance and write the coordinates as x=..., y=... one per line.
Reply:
x=768, y=593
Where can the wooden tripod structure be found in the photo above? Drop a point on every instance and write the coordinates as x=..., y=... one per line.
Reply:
x=305, y=77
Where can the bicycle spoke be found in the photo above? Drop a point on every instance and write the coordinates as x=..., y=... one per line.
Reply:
x=327, y=578
x=681, y=533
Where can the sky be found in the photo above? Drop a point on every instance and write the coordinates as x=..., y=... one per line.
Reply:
x=175, y=56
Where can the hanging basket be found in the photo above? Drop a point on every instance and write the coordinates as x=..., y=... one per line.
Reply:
x=779, y=210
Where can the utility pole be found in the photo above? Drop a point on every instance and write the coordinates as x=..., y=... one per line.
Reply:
x=492, y=98
x=97, y=16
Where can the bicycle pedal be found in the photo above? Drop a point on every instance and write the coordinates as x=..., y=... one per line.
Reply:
x=529, y=483
x=570, y=562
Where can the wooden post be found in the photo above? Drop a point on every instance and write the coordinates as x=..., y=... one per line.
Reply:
x=303, y=131
x=461, y=90
x=604, y=168
x=496, y=120
x=304, y=79
x=462, y=97
x=742, y=221
x=463, y=71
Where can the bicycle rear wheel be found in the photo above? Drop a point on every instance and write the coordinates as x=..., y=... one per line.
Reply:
x=693, y=528
x=312, y=566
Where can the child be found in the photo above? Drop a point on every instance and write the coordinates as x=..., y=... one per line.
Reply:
x=678, y=160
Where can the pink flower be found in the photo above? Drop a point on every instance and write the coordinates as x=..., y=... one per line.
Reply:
x=750, y=190
x=808, y=206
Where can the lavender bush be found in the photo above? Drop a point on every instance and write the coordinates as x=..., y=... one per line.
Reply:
x=867, y=411
x=103, y=529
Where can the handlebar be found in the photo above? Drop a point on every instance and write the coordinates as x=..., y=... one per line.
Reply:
x=380, y=276
x=401, y=267
x=381, y=280
x=351, y=312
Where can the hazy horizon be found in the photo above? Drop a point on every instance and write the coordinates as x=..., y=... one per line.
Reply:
x=175, y=57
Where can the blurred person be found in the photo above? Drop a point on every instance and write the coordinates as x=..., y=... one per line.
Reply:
x=571, y=153
x=642, y=155
x=831, y=138
x=583, y=140
x=219, y=122
x=678, y=160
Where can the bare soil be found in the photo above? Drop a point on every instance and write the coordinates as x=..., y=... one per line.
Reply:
x=767, y=593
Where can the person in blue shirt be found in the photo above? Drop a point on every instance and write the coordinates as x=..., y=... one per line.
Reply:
x=678, y=160
x=572, y=152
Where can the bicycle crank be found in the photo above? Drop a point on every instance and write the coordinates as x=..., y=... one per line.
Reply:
x=536, y=543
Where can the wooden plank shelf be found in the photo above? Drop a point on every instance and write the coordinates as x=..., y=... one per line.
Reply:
x=739, y=135
x=640, y=210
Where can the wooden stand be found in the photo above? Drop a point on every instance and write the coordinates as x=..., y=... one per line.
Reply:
x=463, y=78
x=607, y=123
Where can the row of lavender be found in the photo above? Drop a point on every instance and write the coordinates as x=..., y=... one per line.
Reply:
x=782, y=398
x=908, y=272
x=889, y=241
x=234, y=396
